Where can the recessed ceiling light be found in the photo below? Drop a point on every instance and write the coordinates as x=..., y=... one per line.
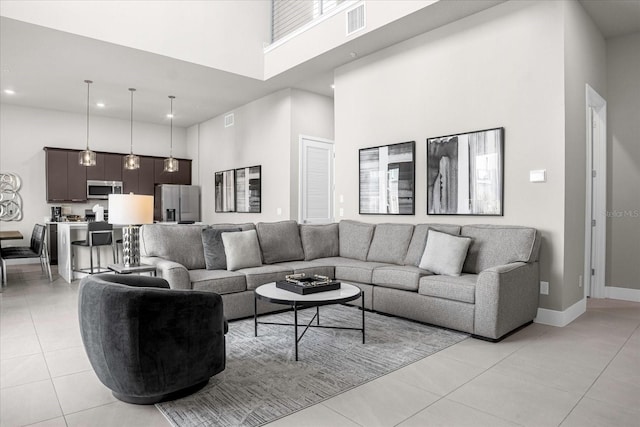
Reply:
x=169, y=116
x=100, y=104
x=10, y=92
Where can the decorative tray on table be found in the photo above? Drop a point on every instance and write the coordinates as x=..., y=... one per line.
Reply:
x=303, y=285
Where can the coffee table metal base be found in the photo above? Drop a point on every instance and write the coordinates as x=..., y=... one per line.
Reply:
x=297, y=305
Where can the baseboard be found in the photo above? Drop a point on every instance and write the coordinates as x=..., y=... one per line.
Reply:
x=625, y=294
x=561, y=318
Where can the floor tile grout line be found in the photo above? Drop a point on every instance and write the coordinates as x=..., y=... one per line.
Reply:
x=332, y=410
x=598, y=377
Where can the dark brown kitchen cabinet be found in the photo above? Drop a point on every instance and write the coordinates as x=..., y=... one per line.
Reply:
x=108, y=167
x=161, y=177
x=76, y=178
x=56, y=171
x=183, y=176
x=66, y=178
x=146, y=182
x=130, y=179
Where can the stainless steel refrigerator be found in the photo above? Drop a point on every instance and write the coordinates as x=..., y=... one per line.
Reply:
x=177, y=203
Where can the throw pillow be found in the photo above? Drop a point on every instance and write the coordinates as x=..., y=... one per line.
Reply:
x=214, y=256
x=241, y=249
x=320, y=241
x=280, y=241
x=444, y=253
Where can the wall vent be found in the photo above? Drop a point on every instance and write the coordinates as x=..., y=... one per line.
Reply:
x=355, y=19
x=228, y=120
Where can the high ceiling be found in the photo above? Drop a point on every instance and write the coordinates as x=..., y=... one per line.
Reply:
x=46, y=67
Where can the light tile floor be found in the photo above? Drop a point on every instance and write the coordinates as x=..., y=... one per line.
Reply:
x=585, y=374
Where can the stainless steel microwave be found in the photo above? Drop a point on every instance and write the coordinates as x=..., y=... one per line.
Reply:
x=102, y=189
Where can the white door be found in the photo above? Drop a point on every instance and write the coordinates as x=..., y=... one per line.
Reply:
x=316, y=181
x=596, y=197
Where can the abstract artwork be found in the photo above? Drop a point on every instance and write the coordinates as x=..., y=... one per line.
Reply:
x=225, y=191
x=387, y=179
x=465, y=173
x=248, y=189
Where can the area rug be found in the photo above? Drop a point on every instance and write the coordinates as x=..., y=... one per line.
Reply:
x=262, y=381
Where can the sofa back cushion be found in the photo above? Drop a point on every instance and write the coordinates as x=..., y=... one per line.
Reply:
x=494, y=245
x=444, y=253
x=390, y=243
x=280, y=241
x=178, y=243
x=355, y=239
x=214, y=256
x=419, y=240
x=319, y=241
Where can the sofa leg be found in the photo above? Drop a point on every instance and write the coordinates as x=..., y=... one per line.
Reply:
x=508, y=334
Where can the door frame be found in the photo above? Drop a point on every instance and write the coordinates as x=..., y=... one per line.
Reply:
x=301, y=180
x=595, y=237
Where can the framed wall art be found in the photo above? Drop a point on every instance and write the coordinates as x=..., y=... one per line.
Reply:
x=387, y=179
x=225, y=191
x=465, y=173
x=248, y=189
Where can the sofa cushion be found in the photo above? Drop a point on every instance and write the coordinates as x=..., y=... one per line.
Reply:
x=419, y=240
x=351, y=269
x=245, y=226
x=178, y=243
x=404, y=277
x=457, y=288
x=280, y=241
x=444, y=253
x=355, y=238
x=218, y=281
x=257, y=276
x=214, y=256
x=319, y=241
x=309, y=268
x=241, y=249
x=495, y=245
x=390, y=243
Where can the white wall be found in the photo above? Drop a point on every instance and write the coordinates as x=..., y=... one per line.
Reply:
x=25, y=131
x=223, y=34
x=501, y=67
x=265, y=133
x=585, y=63
x=623, y=158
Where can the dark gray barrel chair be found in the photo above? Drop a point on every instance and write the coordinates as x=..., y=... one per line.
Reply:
x=148, y=343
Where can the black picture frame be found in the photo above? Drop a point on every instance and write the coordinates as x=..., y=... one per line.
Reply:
x=225, y=191
x=387, y=179
x=248, y=192
x=465, y=173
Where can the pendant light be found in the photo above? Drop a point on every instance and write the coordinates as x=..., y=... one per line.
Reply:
x=131, y=161
x=87, y=157
x=171, y=164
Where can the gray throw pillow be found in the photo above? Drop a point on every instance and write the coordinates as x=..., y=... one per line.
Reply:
x=280, y=241
x=444, y=253
x=241, y=249
x=214, y=256
x=320, y=241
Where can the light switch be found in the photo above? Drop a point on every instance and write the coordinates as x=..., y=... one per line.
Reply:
x=279, y=211
x=341, y=212
x=539, y=175
x=342, y=198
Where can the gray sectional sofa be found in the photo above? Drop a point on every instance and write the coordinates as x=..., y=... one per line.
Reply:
x=496, y=292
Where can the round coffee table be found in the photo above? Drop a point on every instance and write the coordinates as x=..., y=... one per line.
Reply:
x=270, y=293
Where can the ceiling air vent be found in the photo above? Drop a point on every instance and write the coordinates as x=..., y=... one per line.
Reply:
x=355, y=19
x=228, y=120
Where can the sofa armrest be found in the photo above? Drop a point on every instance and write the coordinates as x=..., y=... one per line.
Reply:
x=506, y=298
x=174, y=273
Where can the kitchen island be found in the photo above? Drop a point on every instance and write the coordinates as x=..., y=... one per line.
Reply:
x=71, y=231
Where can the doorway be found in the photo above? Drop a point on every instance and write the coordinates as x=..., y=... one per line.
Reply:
x=596, y=197
x=316, y=192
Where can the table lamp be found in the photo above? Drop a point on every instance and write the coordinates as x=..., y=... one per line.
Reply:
x=130, y=210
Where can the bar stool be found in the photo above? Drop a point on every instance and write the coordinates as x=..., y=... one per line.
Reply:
x=99, y=233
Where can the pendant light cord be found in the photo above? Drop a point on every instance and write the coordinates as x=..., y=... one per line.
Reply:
x=171, y=127
x=88, y=82
x=132, y=90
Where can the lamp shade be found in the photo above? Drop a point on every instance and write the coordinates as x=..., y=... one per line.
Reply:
x=129, y=209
